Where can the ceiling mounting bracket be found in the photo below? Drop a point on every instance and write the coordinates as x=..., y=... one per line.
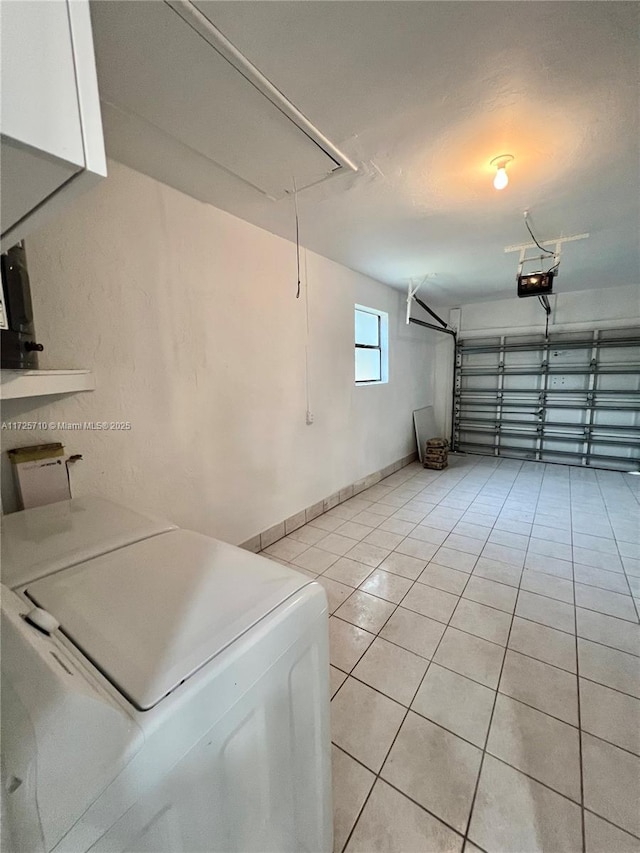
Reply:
x=556, y=252
x=411, y=292
x=411, y=297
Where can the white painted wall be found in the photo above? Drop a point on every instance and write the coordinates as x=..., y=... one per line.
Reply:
x=189, y=319
x=606, y=308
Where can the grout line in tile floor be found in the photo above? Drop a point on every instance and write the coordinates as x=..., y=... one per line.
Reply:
x=495, y=699
x=502, y=583
x=499, y=511
x=580, y=730
x=372, y=569
x=406, y=714
x=440, y=819
x=399, y=790
x=475, y=681
x=575, y=619
x=626, y=576
x=580, y=739
x=462, y=737
x=498, y=692
x=377, y=775
x=435, y=651
x=335, y=615
x=435, y=722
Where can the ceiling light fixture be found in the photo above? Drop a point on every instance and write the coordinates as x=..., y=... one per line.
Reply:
x=501, y=178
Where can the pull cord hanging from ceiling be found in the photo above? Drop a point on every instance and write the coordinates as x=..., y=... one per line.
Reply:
x=295, y=204
x=533, y=236
x=547, y=252
x=543, y=300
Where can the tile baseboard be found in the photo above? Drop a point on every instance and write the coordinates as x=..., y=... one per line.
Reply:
x=267, y=537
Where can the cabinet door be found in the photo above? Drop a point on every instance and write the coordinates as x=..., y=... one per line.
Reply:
x=39, y=92
x=48, y=89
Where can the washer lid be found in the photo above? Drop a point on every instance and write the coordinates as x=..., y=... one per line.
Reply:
x=39, y=541
x=151, y=614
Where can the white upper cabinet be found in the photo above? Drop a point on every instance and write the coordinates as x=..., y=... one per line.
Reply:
x=52, y=143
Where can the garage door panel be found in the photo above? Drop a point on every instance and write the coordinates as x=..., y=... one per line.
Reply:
x=622, y=354
x=522, y=360
x=569, y=357
x=558, y=456
x=522, y=417
x=559, y=416
x=477, y=383
x=563, y=445
x=568, y=382
x=525, y=383
x=489, y=361
x=479, y=439
x=618, y=381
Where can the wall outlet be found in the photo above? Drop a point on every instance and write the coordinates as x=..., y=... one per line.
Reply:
x=309, y=418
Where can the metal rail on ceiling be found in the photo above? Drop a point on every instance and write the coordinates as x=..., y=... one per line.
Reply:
x=442, y=327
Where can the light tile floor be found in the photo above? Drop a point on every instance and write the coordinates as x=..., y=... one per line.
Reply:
x=485, y=658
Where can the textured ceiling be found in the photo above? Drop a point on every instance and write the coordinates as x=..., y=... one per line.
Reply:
x=422, y=95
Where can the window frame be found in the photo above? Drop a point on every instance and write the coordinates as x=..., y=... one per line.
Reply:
x=382, y=347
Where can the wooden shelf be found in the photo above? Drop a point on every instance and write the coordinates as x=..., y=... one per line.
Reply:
x=15, y=384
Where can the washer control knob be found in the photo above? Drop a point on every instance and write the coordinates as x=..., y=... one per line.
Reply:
x=42, y=620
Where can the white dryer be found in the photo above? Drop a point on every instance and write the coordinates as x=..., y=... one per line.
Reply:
x=167, y=695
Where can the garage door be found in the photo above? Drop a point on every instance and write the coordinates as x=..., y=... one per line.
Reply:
x=572, y=399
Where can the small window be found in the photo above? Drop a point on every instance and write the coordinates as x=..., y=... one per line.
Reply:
x=371, y=345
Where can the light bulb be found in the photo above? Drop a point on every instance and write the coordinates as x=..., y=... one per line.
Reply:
x=501, y=179
x=500, y=163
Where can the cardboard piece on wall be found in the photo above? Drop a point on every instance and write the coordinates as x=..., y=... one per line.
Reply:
x=425, y=426
x=41, y=474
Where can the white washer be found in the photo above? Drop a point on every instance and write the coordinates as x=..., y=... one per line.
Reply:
x=182, y=704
